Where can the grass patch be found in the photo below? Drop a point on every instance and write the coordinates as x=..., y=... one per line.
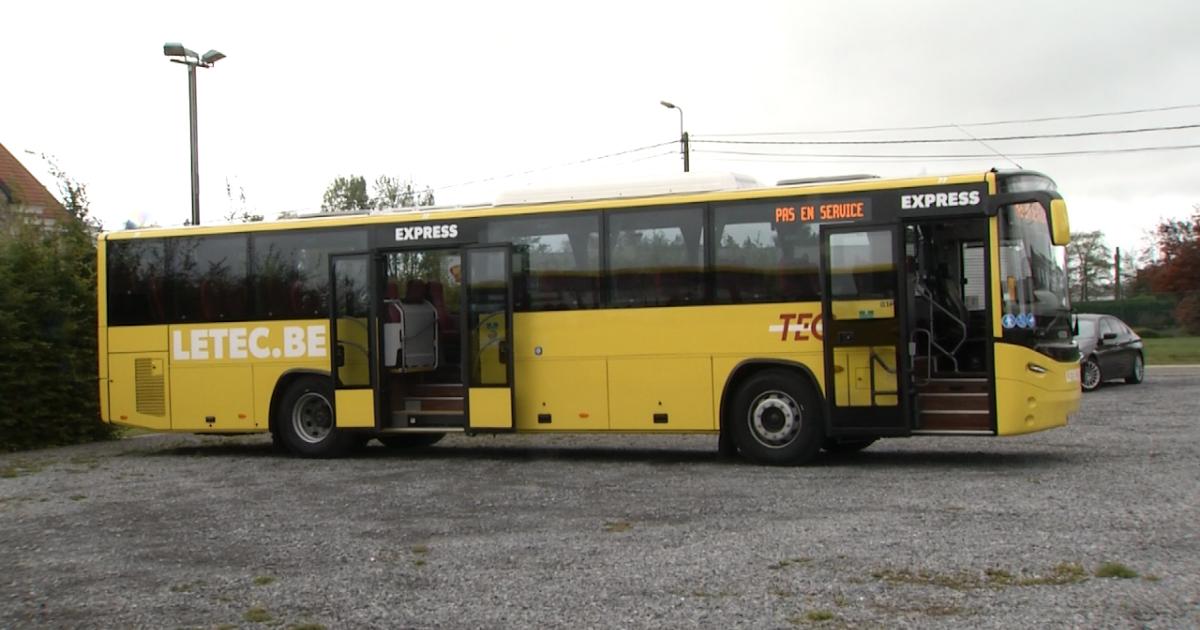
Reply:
x=20, y=469
x=306, y=626
x=257, y=615
x=263, y=580
x=617, y=526
x=1151, y=578
x=419, y=562
x=788, y=562
x=420, y=549
x=819, y=615
x=186, y=587
x=78, y=497
x=1115, y=570
x=994, y=578
x=1172, y=350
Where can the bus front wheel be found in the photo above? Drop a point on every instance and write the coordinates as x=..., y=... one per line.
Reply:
x=776, y=419
x=305, y=420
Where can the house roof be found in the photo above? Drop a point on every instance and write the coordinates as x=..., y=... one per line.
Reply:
x=20, y=187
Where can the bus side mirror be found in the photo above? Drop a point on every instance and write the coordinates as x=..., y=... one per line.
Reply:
x=1060, y=226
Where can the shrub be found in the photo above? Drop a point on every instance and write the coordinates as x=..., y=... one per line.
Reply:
x=48, y=374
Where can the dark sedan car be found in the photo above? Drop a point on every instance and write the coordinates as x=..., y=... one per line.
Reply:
x=1108, y=349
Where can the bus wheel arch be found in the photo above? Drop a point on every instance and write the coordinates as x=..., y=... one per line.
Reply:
x=785, y=389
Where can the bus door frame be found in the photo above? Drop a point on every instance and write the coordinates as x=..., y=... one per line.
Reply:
x=871, y=420
x=496, y=400
x=360, y=398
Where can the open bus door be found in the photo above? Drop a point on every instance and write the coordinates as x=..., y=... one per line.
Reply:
x=865, y=375
x=487, y=336
x=352, y=339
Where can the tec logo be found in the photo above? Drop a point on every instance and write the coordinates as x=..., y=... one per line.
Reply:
x=799, y=325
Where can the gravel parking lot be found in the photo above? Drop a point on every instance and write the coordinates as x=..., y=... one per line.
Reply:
x=620, y=531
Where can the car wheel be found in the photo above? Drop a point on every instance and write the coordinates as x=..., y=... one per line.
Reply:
x=776, y=419
x=1139, y=370
x=1089, y=374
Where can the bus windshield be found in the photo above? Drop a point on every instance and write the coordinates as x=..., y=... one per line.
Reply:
x=1033, y=279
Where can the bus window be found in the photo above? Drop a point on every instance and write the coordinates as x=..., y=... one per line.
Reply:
x=656, y=257
x=291, y=271
x=861, y=265
x=136, y=291
x=562, y=258
x=761, y=260
x=208, y=277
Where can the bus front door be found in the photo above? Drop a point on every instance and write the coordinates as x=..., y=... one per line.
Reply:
x=865, y=378
x=351, y=335
x=487, y=334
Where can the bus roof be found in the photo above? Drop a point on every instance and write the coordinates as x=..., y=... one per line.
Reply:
x=688, y=188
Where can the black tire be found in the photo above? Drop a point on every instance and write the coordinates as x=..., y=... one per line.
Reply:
x=775, y=418
x=305, y=420
x=846, y=446
x=409, y=441
x=1138, y=371
x=1090, y=376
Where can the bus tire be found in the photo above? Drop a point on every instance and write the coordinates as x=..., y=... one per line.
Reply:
x=305, y=421
x=776, y=419
x=409, y=441
x=1138, y=371
x=843, y=447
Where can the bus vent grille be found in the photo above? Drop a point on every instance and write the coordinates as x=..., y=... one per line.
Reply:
x=150, y=387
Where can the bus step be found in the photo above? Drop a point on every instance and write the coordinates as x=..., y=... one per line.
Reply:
x=433, y=403
x=955, y=420
x=438, y=390
x=951, y=401
x=953, y=385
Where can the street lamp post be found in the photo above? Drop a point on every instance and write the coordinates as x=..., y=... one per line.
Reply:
x=182, y=55
x=683, y=136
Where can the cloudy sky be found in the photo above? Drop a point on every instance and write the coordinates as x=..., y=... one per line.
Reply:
x=476, y=97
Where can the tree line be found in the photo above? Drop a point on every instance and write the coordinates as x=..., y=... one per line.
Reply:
x=1167, y=268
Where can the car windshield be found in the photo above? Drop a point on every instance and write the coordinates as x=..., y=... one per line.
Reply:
x=1033, y=278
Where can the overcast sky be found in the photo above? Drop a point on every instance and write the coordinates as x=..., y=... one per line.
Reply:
x=447, y=93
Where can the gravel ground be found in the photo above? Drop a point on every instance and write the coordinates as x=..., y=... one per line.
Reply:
x=619, y=531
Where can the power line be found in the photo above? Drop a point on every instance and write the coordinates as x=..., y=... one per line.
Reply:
x=1033, y=136
x=951, y=126
x=548, y=168
x=952, y=156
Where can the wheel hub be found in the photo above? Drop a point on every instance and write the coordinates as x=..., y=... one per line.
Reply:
x=774, y=419
x=312, y=418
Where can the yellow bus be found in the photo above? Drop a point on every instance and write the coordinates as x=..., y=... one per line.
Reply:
x=787, y=319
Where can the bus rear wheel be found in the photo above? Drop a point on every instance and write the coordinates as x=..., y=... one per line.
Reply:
x=776, y=419
x=305, y=420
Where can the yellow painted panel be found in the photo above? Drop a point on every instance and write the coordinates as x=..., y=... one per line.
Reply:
x=573, y=391
x=490, y=407
x=225, y=393
x=148, y=407
x=353, y=337
x=853, y=381
x=488, y=337
x=1027, y=401
x=137, y=339
x=1059, y=223
x=680, y=388
x=354, y=407
x=863, y=309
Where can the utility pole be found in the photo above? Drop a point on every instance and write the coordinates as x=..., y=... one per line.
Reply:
x=1117, y=275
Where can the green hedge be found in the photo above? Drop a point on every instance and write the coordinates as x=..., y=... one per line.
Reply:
x=1141, y=311
x=48, y=375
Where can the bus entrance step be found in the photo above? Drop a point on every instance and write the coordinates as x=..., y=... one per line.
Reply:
x=433, y=403
x=438, y=390
x=953, y=386
x=955, y=420
x=952, y=401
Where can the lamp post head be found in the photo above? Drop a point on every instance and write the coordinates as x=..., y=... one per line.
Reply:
x=666, y=104
x=175, y=49
x=212, y=57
